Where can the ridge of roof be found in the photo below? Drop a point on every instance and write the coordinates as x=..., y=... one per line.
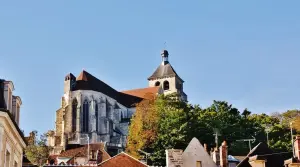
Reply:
x=86, y=81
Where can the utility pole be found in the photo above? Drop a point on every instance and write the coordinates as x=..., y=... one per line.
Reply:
x=249, y=141
x=268, y=129
x=216, y=134
x=147, y=154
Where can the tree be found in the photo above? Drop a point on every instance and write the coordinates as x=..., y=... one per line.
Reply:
x=143, y=128
x=37, y=152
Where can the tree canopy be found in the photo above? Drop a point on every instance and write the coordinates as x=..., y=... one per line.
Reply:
x=165, y=122
x=37, y=151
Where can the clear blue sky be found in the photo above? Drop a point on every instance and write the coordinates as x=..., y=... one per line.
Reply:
x=244, y=52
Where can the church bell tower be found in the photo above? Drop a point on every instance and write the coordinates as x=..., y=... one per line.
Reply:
x=166, y=77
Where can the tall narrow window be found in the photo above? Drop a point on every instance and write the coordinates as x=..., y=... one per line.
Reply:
x=7, y=159
x=85, y=115
x=74, y=114
x=166, y=85
x=96, y=114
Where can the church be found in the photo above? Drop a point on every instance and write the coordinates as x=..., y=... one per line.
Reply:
x=92, y=112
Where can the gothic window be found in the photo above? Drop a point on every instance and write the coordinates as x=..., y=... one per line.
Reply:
x=157, y=83
x=96, y=115
x=166, y=85
x=74, y=114
x=85, y=116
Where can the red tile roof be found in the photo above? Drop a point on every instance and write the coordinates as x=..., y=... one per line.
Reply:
x=122, y=160
x=82, y=151
x=143, y=92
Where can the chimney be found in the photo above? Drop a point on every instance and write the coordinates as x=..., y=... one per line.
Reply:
x=216, y=156
x=223, y=155
x=297, y=147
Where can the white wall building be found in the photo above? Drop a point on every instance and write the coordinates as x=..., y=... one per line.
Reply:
x=12, y=142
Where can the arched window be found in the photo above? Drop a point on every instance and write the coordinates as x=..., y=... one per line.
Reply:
x=96, y=114
x=85, y=116
x=157, y=83
x=166, y=85
x=74, y=114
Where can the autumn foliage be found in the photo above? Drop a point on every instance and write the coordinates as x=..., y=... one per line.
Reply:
x=143, y=128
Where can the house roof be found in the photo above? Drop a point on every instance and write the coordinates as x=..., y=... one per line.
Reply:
x=143, y=92
x=122, y=160
x=2, y=100
x=263, y=151
x=82, y=151
x=86, y=81
x=164, y=70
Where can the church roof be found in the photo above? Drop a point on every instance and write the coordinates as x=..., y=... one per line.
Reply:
x=86, y=81
x=164, y=70
x=143, y=92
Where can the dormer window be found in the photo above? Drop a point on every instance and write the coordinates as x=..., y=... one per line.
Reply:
x=166, y=85
x=157, y=83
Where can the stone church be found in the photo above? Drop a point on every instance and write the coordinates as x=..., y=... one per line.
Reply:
x=91, y=111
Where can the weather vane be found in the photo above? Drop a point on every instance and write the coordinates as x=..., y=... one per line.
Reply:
x=165, y=45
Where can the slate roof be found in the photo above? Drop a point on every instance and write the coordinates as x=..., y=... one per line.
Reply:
x=164, y=70
x=122, y=160
x=86, y=81
x=143, y=92
x=262, y=150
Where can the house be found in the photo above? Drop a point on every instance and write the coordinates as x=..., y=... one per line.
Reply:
x=262, y=156
x=12, y=141
x=80, y=154
x=294, y=161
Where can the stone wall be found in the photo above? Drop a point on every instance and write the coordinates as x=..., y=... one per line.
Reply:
x=58, y=123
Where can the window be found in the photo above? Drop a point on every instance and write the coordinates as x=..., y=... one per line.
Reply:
x=96, y=114
x=74, y=115
x=198, y=164
x=85, y=117
x=157, y=83
x=166, y=85
x=7, y=158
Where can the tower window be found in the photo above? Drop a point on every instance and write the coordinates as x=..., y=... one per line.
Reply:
x=166, y=85
x=96, y=114
x=74, y=115
x=85, y=121
x=157, y=83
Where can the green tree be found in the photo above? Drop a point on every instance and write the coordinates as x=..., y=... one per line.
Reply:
x=37, y=151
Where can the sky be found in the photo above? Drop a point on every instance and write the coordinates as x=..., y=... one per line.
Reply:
x=243, y=52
